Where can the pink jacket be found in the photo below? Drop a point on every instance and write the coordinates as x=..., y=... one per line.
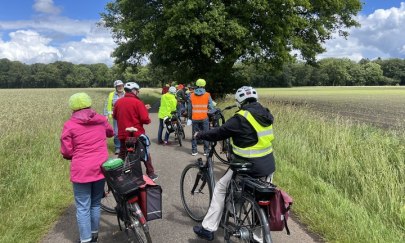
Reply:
x=84, y=141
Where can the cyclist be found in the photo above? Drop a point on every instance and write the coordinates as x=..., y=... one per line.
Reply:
x=109, y=107
x=200, y=103
x=251, y=133
x=84, y=142
x=130, y=111
x=168, y=104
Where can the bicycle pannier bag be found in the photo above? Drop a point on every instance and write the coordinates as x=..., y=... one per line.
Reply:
x=280, y=203
x=151, y=202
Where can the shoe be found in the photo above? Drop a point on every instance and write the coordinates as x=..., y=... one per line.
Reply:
x=153, y=177
x=161, y=142
x=194, y=153
x=203, y=233
x=205, y=153
x=167, y=143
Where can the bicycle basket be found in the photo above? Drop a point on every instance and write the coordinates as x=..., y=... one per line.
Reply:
x=258, y=189
x=126, y=178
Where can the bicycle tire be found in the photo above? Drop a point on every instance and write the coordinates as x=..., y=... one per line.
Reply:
x=140, y=231
x=179, y=136
x=196, y=204
x=223, y=148
x=242, y=229
x=108, y=202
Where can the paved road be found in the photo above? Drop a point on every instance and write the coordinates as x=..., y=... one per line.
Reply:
x=175, y=226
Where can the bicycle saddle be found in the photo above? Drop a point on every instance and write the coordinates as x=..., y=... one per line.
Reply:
x=241, y=166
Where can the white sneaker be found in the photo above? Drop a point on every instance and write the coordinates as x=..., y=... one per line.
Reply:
x=194, y=154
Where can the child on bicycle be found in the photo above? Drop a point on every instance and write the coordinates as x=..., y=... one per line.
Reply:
x=251, y=133
x=84, y=142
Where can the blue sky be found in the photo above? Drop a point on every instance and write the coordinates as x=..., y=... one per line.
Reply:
x=50, y=30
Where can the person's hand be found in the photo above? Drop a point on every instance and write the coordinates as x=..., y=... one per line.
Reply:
x=195, y=135
x=147, y=106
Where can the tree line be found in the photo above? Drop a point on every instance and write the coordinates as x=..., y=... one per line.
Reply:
x=326, y=72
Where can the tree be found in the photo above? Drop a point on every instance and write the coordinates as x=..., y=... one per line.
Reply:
x=205, y=38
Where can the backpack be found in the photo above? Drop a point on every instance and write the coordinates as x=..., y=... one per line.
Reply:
x=278, y=210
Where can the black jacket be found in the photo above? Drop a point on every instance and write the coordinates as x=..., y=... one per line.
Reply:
x=244, y=135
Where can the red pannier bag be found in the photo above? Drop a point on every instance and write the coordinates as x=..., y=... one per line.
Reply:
x=150, y=200
x=278, y=209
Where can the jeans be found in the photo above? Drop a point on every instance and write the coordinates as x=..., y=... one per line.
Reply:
x=117, y=143
x=160, y=131
x=87, y=200
x=199, y=125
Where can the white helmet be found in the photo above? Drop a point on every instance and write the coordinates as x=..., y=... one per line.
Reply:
x=131, y=86
x=244, y=93
x=172, y=90
x=118, y=82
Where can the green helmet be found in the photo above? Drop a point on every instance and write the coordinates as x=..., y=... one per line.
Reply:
x=200, y=82
x=79, y=101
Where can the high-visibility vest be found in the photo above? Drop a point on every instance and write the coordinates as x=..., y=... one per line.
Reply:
x=264, y=135
x=199, y=106
x=110, y=104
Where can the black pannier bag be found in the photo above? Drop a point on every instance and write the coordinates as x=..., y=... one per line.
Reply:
x=151, y=202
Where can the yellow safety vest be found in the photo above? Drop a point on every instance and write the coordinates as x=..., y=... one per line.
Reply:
x=110, y=104
x=264, y=134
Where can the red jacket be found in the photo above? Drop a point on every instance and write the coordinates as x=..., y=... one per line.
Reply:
x=130, y=111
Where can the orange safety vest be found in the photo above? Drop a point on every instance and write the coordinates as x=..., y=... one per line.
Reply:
x=199, y=106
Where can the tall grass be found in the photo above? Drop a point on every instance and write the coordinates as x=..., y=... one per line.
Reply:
x=348, y=180
x=34, y=179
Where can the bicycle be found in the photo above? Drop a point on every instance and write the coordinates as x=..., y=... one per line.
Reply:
x=224, y=149
x=244, y=218
x=123, y=184
x=178, y=128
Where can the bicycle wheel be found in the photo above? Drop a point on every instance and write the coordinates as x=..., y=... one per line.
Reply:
x=139, y=230
x=196, y=191
x=223, y=151
x=179, y=135
x=249, y=224
x=108, y=202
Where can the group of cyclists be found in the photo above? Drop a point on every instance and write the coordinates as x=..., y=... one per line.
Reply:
x=250, y=132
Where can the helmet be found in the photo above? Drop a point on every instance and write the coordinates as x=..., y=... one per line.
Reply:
x=79, y=101
x=131, y=86
x=244, y=93
x=118, y=82
x=180, y=86
x=172, y=90
x=200, y=82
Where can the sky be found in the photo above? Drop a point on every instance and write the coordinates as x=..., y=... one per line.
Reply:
x=45, y=31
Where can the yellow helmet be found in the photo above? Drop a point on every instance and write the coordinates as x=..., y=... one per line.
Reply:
x=79, y=101
x=200, y=82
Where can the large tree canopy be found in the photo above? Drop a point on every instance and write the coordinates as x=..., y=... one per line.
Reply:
x=202, y=38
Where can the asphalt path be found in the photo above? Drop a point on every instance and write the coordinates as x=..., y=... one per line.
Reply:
x=176, y=226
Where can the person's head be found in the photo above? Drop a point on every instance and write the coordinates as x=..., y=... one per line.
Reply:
x=79, y=101
x=200, y=83
x=244, y=95
x=167, y=85
x=132, y=87
x=119, y=86
x=172, y=90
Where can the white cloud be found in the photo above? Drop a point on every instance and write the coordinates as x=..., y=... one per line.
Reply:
x=46, y=6
x=29, y=47
x=382, y=34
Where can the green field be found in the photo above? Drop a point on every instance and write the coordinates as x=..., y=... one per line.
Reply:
x=34, y=179
x=347, y=175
